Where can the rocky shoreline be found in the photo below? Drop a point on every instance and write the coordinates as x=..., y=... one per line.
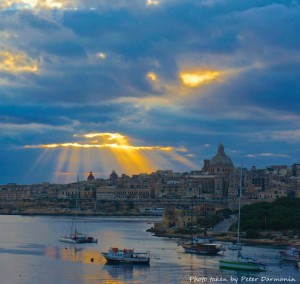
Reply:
x=229, y=238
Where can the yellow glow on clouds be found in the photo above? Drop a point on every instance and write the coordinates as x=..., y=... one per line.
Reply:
x=101, y=55
x=108, y=151
x=151, y=76
x=152, y=2
x=14, y=62
x=117, y=141
x=32, y=4
x=197, y=78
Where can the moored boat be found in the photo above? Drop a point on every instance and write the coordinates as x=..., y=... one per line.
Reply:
x=235, y=246
x=116, y=255
x=202, y=248
x=249, y=264
x=77, y=238
x=290, y=254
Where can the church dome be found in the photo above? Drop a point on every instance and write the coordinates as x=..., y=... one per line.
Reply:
x=113, y=176
x=90, y=177
x=221, y=159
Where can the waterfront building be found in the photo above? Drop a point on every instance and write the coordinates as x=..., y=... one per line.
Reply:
x=188, y=217
x=114, y=193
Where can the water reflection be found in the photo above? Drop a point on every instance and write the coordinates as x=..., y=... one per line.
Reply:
x=77, y=254
x=38, y=257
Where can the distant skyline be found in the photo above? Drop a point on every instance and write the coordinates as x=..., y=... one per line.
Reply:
x=137, y=86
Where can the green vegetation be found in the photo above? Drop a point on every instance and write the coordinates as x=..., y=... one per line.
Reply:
x=252, y=234
x=282, y=214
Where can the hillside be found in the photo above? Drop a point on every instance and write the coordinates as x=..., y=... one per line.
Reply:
x=282, y=214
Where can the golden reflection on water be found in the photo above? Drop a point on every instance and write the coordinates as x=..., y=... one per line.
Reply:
x=107, y=273
x=86, y=256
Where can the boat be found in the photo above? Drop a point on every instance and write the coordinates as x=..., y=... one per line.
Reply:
x=129, y=256
x=241, y=262
x=202, y=248
x=201, y=239
x=77, y=238
x=290, y=254
x=74, y=236
x=235, y=246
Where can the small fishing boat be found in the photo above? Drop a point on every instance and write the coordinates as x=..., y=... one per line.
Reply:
x=116, y=255
x=290, y=254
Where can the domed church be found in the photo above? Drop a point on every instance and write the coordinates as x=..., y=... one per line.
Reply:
x=221, y=163
x=91, y=177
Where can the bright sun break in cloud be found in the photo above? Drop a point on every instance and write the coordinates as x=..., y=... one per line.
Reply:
x=152, y=2
x=15, y=62
x=198, y=78
x=107, y=151
x=151, y=76
x=101, y=55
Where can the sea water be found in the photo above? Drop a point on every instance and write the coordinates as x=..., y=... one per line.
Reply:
x=31, y=253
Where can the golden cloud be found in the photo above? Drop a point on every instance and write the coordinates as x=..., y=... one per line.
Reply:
x=113, y=145
x=37, y=4
x=117, y=141
x=151, y=76
x=152, y=2
x=198, y=78
x=101, y=55
x=16, y=62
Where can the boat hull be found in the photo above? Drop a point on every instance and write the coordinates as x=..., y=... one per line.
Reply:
x=291, y=254
x=77, y=240
x=201, y=252
x=240, y=265
x=67, y=240
x=115, y=255
x=202, y=249
x=127, y=261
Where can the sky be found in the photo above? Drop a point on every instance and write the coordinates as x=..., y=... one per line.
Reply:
x=141, y=85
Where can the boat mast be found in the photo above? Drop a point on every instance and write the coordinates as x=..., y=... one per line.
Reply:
x=239, y=216
x=76, y=206
x=192, y=220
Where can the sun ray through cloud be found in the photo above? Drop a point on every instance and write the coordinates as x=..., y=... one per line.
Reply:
x=78, y=156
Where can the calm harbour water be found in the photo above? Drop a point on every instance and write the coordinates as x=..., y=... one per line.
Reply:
x=31, y=253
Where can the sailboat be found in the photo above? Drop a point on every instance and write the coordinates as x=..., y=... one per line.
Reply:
x=74, y=236
x=241, y=262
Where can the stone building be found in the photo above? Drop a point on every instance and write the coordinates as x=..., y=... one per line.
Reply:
x=220, y=164
x=221, y=167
